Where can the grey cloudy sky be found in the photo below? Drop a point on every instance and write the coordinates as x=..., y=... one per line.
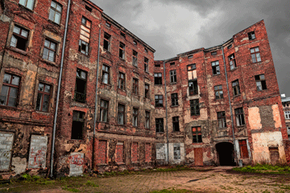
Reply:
x=175, y=26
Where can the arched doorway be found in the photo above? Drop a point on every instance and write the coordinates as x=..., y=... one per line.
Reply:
x=225, y=152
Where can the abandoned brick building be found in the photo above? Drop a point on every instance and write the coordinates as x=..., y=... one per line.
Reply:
x=80, y=93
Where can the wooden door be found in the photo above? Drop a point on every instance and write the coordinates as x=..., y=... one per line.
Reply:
x=198, y=156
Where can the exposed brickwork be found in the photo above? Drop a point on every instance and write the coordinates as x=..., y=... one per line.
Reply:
x=134, y=154
x=102, y=152
x=148, y=152
x=120, y=153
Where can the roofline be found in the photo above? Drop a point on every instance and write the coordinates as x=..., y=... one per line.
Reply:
x=93, y=5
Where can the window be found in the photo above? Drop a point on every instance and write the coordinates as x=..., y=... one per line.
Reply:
x=260, y=82
x=157, y=65
x=176, y=150
x=146, y=90
x=158, y=100
x=85, y=36
x=288, y=131
x=9, y=92
x=19, y=38
x=55, y=12
x=135, y=58
x=43, y=96
x=191, y=67
x=121, y=84
x=147, y=119
x=27, y=3
x=159, y=125
x=239, y=116
x=174, y=99
x=196, y=135
x=121, y=114
x=193, y=88
x=230, y=46
x=106, y=74
x=173, y=76
x=122, y=50
x=243, y=149
x=221, y=119
x=49, y=50
x=135, y=117
x=146, y=67
x=255, y=54
x=190, y=56
x=77, y=125
x=172, y=63
x=135, y=42
x=158, y=78
x=175, y=123
x=88, y=8
x=80, y=88
x=123, y=35
x=236, y=87
x=194, y=107
x=108, y=24
x=251, y=35
x=146, y=50
x=232, y=61
x=218, y=92
x=213, y=53
x=107, y=39
x=104, y=110
x=215, y=67
x=135, y=86
x=287, y=114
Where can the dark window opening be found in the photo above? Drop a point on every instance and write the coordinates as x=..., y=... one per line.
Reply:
x=135, y=42
x=159, y=125
x=80, y=87
x=194, y=107
x=147, y=119
x=19, y=38
x=106, y=74
x=9, y=92
x=218, y=92
x=122, y=50
x=121, y=84
x=196, y=135
x=77, y=125
x=43, y=96
x=146, y=67
x=190, y=56
x=88, y=8
x=236, y=87
x=123, y=35
x=251, y=35
x=213, y=53
x=158, y=100
x=158, y=78
x=232, y=61
x=135, y=117
x=193, y=88
x=222, y=119
x=107, y=39
x=135, y=86
x=121, y=114
x=260, y=82
x=173, y=76
x=172, y=63
x=191, y=67
x=104, y=110
x=230, y=46
x=240, y=120
x=215, y=67
x=175, y=123
x=157, y=65
x=174, y=99
x=147, y=91
x=135, y=58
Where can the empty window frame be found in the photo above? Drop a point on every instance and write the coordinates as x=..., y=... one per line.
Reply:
x=255, y=54
x=135, y=117
x=243, y=149
x=215, y=67
x=146, y=50
x=230, y=46
x=85, y=36
x=135, y=58
x=260, y=82
x=176, y=151
x=43, y=96
x=194, y=107
x=158, y=100
x=9, y=92
x=105, y=74
x=146, y=90
x=157, y=65
x=80, y=87
x=159, y=125
x=19, y=38
x=55, y=12
x=121, y=114
x=191, y=67
x=196, y=135
x=251, y=35
x=121, y=83
x=172, y=63
x=192, y=87
x=174, y=99
x=175, y=123
x=123, y=35
x=122, y=50
x=107, y=41
x=146, y=67
x=147, y=119
x=135, y=42
x=104, y=110
x=213, y=53
x=27, y=3
x=77, y=125
x=88, y=8
x=108, y=24
x=218, y=92
x=173, y=76
x=232, y=61
x=287, y=114
x=135, y=86
x=221, y=119
x=240, y=120
x=236, y=87
x=158, y=78
x=190, y=56
x=49, y=50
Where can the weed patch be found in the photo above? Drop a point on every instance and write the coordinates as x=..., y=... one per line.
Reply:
x=265, y=168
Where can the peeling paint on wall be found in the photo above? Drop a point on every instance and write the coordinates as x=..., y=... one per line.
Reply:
x=254, y=118
x=276, y=115
x=76, y=164
x=6, y=141
x=37, y=154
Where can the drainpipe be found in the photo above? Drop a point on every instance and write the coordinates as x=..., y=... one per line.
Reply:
x=58, y=88
x=96, y=101
x=166, y=118
x=231, y=110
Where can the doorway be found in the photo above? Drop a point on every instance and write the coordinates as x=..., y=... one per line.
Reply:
x=225, y=152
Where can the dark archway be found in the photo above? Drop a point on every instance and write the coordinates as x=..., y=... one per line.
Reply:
x=225, y=152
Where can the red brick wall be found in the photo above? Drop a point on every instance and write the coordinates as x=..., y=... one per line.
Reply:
x=102, y=152
x=119, y=153
x=147, y=152
x=134, y=154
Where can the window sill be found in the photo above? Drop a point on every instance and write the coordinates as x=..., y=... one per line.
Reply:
x=72, y=141
x=172, y=83
x=120, y=125
x=86, y=55
x=216, y=74
x=158, y=106
x=57, y=24
x=158, y=84
x=49, y=62
x=26, y=8
x=233, y=68
x=8, y=107
x=102, y=164
x=18, y=51
x=122, y=59
x=172, y=106
x=43, y=112
x=120, y=163
x=237, y=95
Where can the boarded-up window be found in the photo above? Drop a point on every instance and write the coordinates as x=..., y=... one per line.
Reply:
x=37, y=154
x=6, y=142
x=243, y=149
x=85, y=36
x=176, y=148
x=119, y=152
x=274, y=155
x=147, y=152
x=102, y=152
x=134, y=152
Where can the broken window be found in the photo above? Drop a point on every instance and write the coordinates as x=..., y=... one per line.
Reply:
x=191, y=68
x=19, y=38
x=255, y=54
x=287, y=114
x=9, y=92
x=27, y=3
x=146, y=67
x=107, y=40
x=85, y=36
x=230, y=46
x=190, y=56
x=123, y=35
x=121, y=84
x=172, y=63
x=196, y=135
x=43, y=96
x=121, y=114
x=158, y=78
x=135, y=86
x=81, y=84
x=236, y=87
x=77, y=125
x=218, y=92
x=135, y=117
x=122, y=50
x=49, y=50
x=213, y=53
x=146, y=50
x=215, y=67
x=106, y=74
x=88, y=8
x=104, y=110
x=146, y=90
x=232, y=61
x=158, y=100
x=176, y=151
x=174, y=99
x=147, y=119
x=175, y=123
x=159, y=125
x=240, y=116
x=135, y=42
x=192, y=87
x=108, y=24
x=260, y=82
x=243, y=149
x=251, y=35
x=194, y=107
x=135, y=58
x=55, y=12
x=173, y=76
x=157, y=65
x=221, y=119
